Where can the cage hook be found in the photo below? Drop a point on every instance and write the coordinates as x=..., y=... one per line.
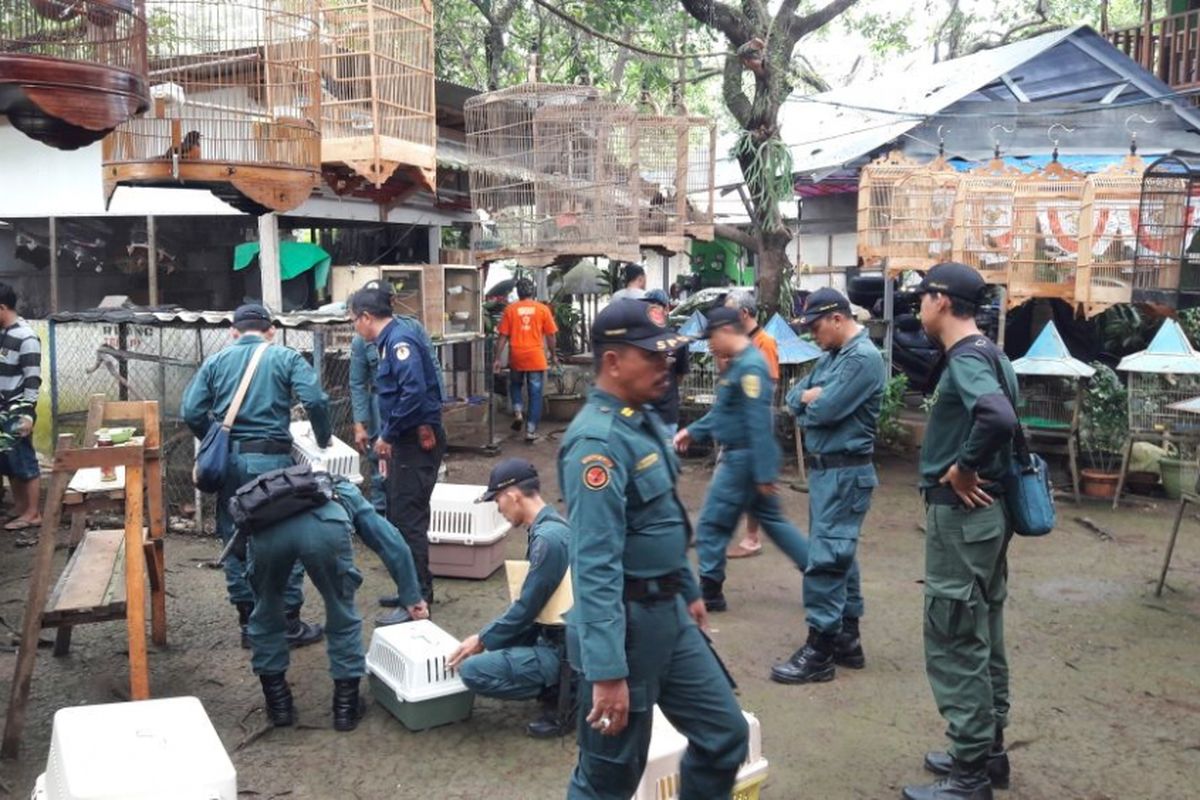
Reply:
x=1050, y=136
x=942, y=140
x=992, y=130
x=1133, y=133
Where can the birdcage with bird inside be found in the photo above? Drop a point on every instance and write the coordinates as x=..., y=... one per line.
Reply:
x=1167, y=261
x=875, y=185
x=675, y=161
x=922, y=217
x=502, y=170
x=235, y=104
x=983, y=232
x=1045, y=243
x=378, y=117
x=72, y=70
x=1108, y=236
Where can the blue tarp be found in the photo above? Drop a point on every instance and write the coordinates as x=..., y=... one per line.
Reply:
x=1169, y=352
x=792, y=349
x=1049, y=356
x=694, y=327
x=1084, y=163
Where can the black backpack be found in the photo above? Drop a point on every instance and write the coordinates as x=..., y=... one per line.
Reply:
x=277, y=495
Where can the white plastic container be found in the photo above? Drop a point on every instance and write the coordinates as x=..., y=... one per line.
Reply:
x=338, y=459
x=145, y=750
x=466, y=539
x=660, y=781
x=408, y=672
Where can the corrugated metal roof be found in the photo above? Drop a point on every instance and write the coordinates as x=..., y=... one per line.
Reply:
x=1169, y=352
x=1049, y=356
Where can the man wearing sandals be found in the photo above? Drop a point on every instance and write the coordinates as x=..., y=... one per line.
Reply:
x=20, y=380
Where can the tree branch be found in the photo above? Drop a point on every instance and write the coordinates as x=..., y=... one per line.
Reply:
x=735, y=96
x=801, y=26
x=721, y=16
x=738, y=236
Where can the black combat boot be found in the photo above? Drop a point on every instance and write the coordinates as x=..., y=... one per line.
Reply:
x=812, y=663
x=278, y=695
x=301, y=633
x=558, y=715
x=347, y=706
x=998, y=770
x=244, y=610
x=714, y=597
x=847, y=648
x=965, y=782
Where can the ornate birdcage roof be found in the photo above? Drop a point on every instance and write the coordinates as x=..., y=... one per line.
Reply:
x=1169, y=352
x=1048, y=355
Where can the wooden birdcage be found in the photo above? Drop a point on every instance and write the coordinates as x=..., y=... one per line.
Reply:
x=1045, y=248
x=1167, y=261
x=72, y=70
x=1107, y=236
x=875, y=185
x=983, y=231
x=378, y=116
x=501, y=151
x=676, y=163
x=235, y=105
x=922, y=217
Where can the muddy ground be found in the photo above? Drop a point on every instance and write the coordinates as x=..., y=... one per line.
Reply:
x=1106, y=677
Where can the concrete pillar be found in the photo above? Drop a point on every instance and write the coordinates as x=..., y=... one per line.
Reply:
x=268, y=262
x=152, y=259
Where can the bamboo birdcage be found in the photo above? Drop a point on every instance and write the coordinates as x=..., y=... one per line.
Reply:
x=72, y=70
x=983, y=231
x=875, y=185
x=1107, y=236
x=922, y=217
x=501, y=151
x=1167, y=261
x=1045, y=246
x=378, y=112
x=1165, y=373
x=235, y=105
x=676, y=164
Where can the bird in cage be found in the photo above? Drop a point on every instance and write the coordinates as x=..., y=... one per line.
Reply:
x=189, y=148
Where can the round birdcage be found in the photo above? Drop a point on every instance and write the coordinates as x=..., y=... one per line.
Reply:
x=71, y=70
x=235, y=104
x=922, y=217
x=1045, y=247
x=1107, y=236
x=875, y=185
x=1167, y=261
x=983, y=236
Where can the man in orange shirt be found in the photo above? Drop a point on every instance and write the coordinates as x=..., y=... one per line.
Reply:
x=528, y=328
x=747, y=308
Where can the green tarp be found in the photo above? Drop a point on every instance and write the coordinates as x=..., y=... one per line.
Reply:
x=295, y=258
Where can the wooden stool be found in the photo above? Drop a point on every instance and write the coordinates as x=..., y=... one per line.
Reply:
x=1186, y=498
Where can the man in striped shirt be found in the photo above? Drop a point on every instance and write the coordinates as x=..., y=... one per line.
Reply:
x=20, y=380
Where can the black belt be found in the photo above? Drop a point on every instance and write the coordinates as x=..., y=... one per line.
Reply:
x=945, y=496
x=266, y=447
x=648, y=590
x=836, y=460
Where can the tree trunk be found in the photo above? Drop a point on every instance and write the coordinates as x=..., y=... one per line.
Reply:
x=493, y=53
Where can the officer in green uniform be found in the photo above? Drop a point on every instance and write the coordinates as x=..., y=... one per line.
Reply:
x=635, y=630
x=838, y=406
x=514, y=657
x=260, y=438
x=967, y=447
x=741, y=421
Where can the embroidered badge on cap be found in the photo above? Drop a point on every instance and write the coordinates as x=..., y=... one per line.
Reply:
x=627, y=412
x=402, y=352
x=751, y=386
x=595, y=477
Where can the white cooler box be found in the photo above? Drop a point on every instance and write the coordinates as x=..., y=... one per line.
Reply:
x=408, y=672
x=338, y=459
x=660, y=781
x=145, y=750
x=466, y=539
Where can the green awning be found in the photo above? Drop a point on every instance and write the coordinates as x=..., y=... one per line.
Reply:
x=295, y=258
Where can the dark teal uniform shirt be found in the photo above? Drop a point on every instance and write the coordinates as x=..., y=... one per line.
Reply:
x=843, y=419
x=741, y=417
x=618, y=476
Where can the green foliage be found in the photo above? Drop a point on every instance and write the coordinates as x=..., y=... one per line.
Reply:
x=1104, y=423
x=1189, y=320
x=1124, y=330
x=767, y=168
x=891, y=430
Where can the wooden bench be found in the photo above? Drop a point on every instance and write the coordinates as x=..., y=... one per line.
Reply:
x=92, y=586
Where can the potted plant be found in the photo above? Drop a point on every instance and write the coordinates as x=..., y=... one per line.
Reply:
x=1103, y=429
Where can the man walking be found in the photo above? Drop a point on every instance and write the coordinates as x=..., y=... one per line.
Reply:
x=837, y=404
x=260, y=438
x=748, y=470
x=20, y=382
x=528, y=329
x=635, y=631
x=965, y=454
x=633, y=283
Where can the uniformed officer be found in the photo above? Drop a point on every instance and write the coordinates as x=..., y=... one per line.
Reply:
x=260, y=438
x=635, y=630
x=514, y=657
x=837, y=404
x=411, y=437
x=966, y=451
x=740, y=420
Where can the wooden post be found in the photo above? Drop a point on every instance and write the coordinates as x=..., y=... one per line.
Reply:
x=152, y=259
x=53, y=265
x=268, y=262
x=435, y=244
x=135, y=584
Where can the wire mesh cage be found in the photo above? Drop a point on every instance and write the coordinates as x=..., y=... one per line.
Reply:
x=1045, y=245
x=698, y=388
x=875, y=185
x=378, y=111
x=1107, y=236
x=922, y=217
x=502, y=154
x=676, y=164
x=1150, y=396
x=983, y=236
x=235, y=105
x=586, y=185
x=1167, y=261
x=1049, y=402
x=72, y=70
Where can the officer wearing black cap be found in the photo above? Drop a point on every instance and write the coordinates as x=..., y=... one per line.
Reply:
x=260, y=438
x=514, y=657
x=965, y=453
x=838, y=405
x=635, y=630
x=741, y=421
x=411, y=438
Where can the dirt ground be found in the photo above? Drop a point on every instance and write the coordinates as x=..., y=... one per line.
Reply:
x=1106, y=682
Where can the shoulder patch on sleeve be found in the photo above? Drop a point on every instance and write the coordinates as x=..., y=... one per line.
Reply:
x=596, y=476
x=597, y=458
x=402, y=351
x=751, y=385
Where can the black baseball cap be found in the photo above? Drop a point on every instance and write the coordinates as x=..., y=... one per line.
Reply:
x=509, y=472
x=821, y=302
x=955, y=280
x=379, y=286
x=719, y=317
x=250, y=313
x=638, y=323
